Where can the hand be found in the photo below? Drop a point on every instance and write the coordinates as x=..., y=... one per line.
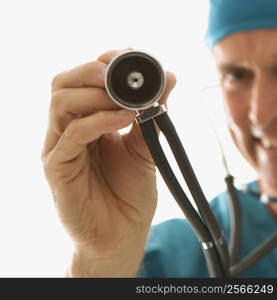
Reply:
x=103, y=183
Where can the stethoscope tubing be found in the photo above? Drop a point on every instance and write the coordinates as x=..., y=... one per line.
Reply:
x=190, y=178
x=212, y=256
x=235, y=220
x=237, y=265
x=219, y=262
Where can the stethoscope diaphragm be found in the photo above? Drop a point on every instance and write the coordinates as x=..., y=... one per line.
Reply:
x=135, y=80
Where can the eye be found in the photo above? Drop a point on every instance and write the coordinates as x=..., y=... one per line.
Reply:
x=235, y=75
x=236, y=79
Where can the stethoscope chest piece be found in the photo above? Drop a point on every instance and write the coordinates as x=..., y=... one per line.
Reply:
x=135, y=80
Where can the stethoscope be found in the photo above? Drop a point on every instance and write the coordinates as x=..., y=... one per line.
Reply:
x=135, y=80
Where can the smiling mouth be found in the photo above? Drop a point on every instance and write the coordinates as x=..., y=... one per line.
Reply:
x=267, y=144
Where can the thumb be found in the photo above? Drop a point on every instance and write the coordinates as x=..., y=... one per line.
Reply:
x=170, y=84
x=134, y=139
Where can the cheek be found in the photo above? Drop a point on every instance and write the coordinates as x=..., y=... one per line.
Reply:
x=236, y=111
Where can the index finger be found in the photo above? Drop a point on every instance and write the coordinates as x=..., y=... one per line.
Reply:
x=109, y=55
x=90, y=74
x=86, y=75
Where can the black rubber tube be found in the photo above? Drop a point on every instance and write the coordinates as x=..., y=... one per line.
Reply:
x=150, y=136
x=235, y=219
x=186, y=169
x=269, y=244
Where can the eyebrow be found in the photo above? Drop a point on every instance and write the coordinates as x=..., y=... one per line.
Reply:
x=228, y=66
x=223, y=67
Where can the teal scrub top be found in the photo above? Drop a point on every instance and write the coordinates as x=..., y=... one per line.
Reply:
x=173, y=250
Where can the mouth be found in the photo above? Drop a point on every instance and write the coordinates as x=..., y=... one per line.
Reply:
x=268, y=145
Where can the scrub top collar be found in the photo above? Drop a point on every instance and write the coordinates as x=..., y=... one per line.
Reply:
x=254, y=189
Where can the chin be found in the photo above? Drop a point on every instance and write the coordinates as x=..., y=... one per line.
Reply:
x=268, y=180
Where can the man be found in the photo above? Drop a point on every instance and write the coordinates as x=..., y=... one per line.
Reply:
x=106, y=204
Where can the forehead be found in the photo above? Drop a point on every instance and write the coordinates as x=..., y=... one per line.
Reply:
x=249, y=48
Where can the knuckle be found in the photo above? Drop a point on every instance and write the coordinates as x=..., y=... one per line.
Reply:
x=52, y=170
x=73, y=129
x=47, y=168
x=56, y=80
x=101, y=115
x=90, y=67
x=56, y=100
x=42, y=154
x=56, y=111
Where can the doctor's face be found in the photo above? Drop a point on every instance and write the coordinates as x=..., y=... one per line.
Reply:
x=247, y=65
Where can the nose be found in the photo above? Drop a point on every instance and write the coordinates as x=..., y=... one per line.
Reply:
x=263, y=102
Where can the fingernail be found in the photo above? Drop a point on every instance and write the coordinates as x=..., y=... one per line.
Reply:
x=125, y=112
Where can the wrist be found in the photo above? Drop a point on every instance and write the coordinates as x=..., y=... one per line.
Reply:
x=82, y=267
x=123, y=262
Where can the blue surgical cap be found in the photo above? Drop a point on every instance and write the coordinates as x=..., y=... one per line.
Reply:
x=230, y=16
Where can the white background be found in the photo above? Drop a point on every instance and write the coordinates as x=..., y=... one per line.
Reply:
x=42, y=38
